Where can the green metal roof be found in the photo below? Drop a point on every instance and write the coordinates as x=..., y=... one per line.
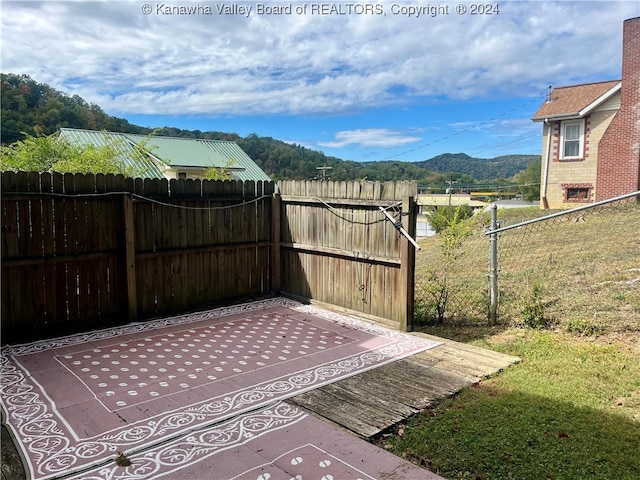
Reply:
x=176, y=152
x=118, y=141
x=189, y=152
x=179, y=152
x=247, y=168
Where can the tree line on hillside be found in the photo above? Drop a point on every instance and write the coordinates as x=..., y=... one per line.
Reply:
x=36, y=109
x=29, y=108
x=505, y=166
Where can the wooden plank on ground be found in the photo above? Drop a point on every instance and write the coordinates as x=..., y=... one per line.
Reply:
x=331, y=405
x=373, y=401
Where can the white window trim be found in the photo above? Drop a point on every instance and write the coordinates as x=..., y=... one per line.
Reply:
x=563, y=126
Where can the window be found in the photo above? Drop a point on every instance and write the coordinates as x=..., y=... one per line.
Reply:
x=182, y=175
x=577, y=192
x=572, y=140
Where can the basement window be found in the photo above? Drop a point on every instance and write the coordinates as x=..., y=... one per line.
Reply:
x=579, y=193
x=572, y=140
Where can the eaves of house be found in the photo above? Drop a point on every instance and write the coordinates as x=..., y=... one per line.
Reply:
x=576, y=101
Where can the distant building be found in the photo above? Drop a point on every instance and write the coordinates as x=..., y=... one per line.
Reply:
x=591, y=135
x=172, y=157
x=428, y=201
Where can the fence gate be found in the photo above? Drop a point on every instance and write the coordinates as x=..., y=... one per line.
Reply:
x=337, y=247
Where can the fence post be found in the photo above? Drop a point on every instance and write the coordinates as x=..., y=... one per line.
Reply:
x=493, y=266
x=408, y=263
x=130, y=255
x=276, y=268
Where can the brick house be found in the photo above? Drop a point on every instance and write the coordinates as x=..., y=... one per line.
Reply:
x=591, y=135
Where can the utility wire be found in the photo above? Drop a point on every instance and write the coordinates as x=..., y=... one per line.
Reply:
x=505, y=144
x=342, y=215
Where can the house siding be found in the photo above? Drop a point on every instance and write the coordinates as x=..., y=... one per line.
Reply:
x=572, y=172
x=578, y=171
x=612, y=103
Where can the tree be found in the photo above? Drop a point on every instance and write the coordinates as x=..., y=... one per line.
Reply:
x=224, y=173
x=445, y=217
x=438, y=286
x=31, y=108
x=529, y=182
x=49, y=153
x=33, y=154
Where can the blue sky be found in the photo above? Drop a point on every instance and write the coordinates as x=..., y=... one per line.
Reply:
x=381, y=85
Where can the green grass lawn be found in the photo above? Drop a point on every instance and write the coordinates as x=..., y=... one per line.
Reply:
x=570, y=308
x=569, y=410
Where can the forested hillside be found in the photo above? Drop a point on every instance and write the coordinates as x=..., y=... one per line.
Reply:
x=505, y=166
x=35, y=109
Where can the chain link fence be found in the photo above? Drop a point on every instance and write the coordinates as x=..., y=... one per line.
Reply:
x=451, y=276
x=578, y=270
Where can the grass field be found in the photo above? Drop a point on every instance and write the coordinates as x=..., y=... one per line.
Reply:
x=570, y=308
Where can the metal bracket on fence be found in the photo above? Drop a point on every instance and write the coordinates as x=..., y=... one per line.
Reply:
x=398, y=226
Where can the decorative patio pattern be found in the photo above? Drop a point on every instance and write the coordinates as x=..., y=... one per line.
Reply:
x=74, y=401
x=277, y=442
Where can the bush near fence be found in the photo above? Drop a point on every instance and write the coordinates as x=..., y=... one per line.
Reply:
x=450, y=285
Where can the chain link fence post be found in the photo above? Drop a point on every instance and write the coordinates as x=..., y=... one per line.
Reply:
x=493, y=266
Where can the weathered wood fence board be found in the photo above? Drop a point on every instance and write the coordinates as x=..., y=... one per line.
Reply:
x=60, y=254
x=84, y=251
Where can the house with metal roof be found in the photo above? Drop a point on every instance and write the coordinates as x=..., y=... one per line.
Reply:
x=591, y=135
x=172, y=157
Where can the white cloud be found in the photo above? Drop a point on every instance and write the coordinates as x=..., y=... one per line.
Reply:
x=113, y=55
x=370, y=137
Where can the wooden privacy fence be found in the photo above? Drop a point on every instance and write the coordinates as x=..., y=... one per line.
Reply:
x=83, y=251
x=80, y=251
x=338, y=248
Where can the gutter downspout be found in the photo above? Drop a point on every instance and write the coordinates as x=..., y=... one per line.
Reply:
x=545, y=178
